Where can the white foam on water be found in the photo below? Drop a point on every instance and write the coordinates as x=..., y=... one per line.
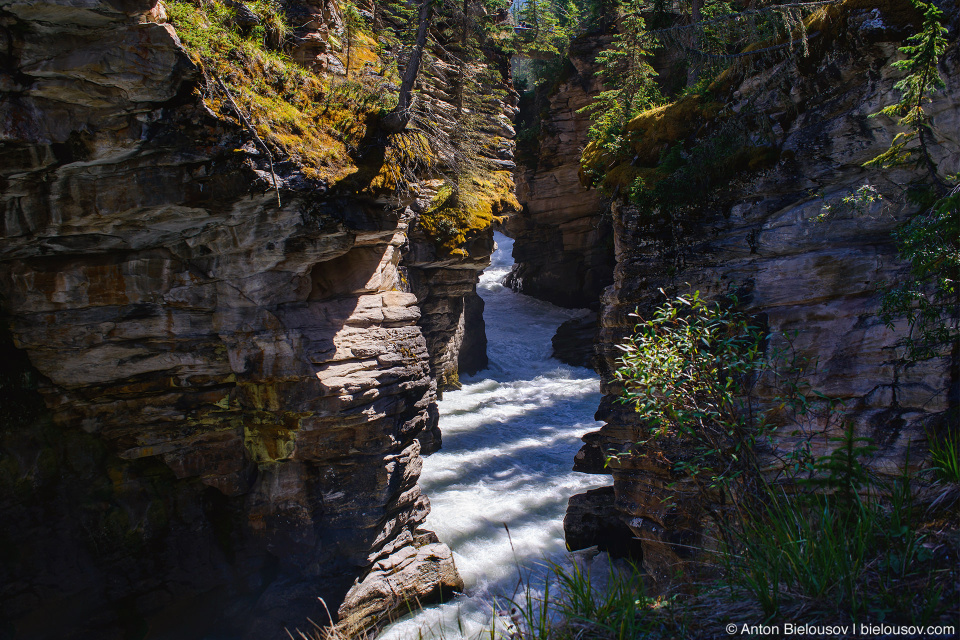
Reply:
x=509, y=438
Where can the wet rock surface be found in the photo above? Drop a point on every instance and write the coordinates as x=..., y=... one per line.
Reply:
x=574, y=343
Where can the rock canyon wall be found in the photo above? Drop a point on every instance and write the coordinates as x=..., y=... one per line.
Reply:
x=215, y=402
x=563, y=237
x=816, y=281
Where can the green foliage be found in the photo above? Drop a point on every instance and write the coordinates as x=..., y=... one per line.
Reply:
x=828, y=533
x=301, y=116
x=860, y=201
x=546, y=27
x=629, y=79
x=930, y=240
x=930, y=296
x=851, y=548
x=945, y=455
x=613, y=607
x=801, y=548
x=686, y=371
x=575, y=604
x=699, y=143
x=851, y=559
x=841, y=471
x=922, y=78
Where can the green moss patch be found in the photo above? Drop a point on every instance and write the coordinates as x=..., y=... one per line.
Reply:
x=673, y=154
x=458, y=213
x=302, y=116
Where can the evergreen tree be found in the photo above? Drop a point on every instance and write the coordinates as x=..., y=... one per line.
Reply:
x=922, y=79
x=628, y=76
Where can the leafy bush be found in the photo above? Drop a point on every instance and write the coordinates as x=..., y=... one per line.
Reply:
x=686, y=371
x=825, y=534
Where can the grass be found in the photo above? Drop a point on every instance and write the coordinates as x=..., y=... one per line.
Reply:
x=792, y=560
x=945, y=456
x=847, y=548
x=304, y=117
x=793, y=556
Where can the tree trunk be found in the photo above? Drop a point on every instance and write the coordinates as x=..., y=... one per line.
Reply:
x=464, y=40
x=692, y=71
x=397, y=120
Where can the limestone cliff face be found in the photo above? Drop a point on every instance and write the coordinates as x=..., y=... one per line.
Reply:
x=564, y=242
x=819, y=281
x=234, y=391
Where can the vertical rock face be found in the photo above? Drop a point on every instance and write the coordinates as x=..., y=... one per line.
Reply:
x=453, y=312
x=234, y=392
x=762, y=237
x=564, y=241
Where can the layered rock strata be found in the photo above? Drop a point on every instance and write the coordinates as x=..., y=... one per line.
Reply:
x=445, y=280
x=815, y=280
x=563, y=239
x=234, y=390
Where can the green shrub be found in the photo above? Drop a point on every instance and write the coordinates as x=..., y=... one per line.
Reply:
x=686, y=371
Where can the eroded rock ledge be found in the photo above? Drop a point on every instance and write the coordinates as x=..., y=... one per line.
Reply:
x=234, y=392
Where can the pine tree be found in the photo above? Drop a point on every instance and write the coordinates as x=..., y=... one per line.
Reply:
x=923, y=78
x=628, y=76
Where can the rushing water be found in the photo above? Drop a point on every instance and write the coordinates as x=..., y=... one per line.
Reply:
x=509, y=437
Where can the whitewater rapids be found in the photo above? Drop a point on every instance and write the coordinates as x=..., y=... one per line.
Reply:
x=509, y=438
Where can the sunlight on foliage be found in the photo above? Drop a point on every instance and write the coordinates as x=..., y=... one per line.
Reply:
x=304, y=117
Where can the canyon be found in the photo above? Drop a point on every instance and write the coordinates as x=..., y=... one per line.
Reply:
x=222, y=366
x=816, y=280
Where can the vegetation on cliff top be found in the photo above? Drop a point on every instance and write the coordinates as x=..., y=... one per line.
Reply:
x=695, y=140
x=302, y=116
x=328, y=122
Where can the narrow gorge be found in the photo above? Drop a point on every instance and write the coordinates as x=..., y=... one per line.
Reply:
x=251, y=325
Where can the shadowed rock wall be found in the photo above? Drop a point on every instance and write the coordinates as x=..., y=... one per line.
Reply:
x=226, y=396
x=563, y=239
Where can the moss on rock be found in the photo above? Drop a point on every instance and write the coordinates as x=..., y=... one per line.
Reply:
x=457, y=213
x=307, y=118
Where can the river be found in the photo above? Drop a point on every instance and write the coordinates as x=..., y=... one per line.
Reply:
x=509, y=438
